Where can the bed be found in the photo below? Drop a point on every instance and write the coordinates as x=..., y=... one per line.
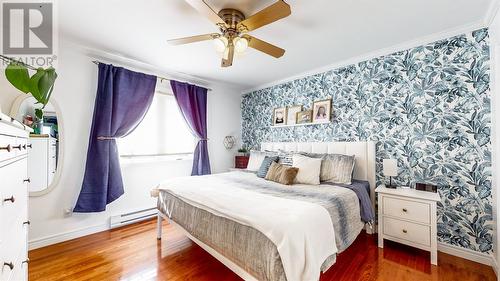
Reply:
x=262, y=230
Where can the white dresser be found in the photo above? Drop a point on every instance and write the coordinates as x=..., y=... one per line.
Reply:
x=13, y=200
x=42, y=161
x=408, y=216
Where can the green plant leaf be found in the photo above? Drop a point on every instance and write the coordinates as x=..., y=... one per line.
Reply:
x=39, y=113
x=18, y=76
x=33, y=85
x=42, y=84
x=51, y=78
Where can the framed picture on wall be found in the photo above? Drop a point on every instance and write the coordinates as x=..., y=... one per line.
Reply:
x=291, y=114
x=279, y=116
x=322, y=111
x=304, y=117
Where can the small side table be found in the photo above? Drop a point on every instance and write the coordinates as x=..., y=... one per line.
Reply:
x=408, y=216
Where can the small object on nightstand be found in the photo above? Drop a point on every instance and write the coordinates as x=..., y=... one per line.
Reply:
x=241, y=162
x=408, y=216
x=426, y=187
x=390, y=169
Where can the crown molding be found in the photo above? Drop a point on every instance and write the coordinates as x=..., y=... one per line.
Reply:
x=378, y=53
x=108, y=56
x=492, y=12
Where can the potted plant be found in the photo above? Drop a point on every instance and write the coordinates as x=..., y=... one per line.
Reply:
x=242, y=151
x=40, y=84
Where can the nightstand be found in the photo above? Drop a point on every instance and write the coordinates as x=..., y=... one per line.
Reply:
x=408, y=216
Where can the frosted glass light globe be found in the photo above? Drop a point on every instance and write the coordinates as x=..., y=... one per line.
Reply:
x=240, y=44
x=220, y=44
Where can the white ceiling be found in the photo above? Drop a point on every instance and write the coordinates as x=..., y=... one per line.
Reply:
x=318, y=32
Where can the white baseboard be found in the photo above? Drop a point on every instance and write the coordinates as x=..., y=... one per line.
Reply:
x=466, y=254
x=494, y=264
x=65, y=236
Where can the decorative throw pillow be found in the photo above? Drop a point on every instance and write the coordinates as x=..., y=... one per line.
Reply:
x=255, y=161
x=268, y=160
x=335, y=168
x=285, y=157
x=309, y=169
x=281, y=173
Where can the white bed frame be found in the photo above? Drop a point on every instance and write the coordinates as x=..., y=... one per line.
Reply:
x=364, y=169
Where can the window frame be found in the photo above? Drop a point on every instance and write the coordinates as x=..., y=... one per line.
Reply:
x=159, y=157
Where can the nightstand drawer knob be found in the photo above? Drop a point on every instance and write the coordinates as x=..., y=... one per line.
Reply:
x=405, y=231
x=405, y=210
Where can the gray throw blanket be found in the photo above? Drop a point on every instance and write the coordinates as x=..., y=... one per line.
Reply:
x=362, y=190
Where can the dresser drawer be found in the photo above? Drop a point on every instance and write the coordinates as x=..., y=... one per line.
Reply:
x=408, y=231
x=406, y=209
x=7, y=150
x=13, y=251
x=13, y=192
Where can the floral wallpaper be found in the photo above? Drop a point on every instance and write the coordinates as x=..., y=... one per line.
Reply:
x=427, y=107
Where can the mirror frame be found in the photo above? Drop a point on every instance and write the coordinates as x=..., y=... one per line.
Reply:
x=57, y=177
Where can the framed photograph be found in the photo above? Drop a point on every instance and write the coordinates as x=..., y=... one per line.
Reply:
x=304, y=117
x=279, y=116
x=291, y=114
x=322, y=111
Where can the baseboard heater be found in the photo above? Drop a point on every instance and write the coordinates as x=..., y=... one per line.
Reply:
x=132, y=217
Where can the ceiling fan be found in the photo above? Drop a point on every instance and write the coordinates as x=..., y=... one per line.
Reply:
x=234, y=27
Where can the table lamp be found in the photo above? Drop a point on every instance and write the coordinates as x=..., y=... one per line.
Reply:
x=390, y=169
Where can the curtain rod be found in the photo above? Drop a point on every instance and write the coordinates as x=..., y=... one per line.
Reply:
x=159, y=77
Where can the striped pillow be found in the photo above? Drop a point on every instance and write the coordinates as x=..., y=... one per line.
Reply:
x=285, y=157
x=335, y=168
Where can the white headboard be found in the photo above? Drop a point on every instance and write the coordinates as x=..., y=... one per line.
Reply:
x=364, y=151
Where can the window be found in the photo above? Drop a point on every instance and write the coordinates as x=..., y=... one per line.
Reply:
x=162, y=132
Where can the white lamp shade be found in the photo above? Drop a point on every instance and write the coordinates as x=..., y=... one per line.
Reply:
x=390, y=167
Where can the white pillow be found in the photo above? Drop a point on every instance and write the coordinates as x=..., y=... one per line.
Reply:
x=255, y=161
x=309, y=169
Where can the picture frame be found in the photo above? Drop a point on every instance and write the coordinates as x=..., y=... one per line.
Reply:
x=304, y=117
x=322, y=111
x=291, y=114
x=279, y=116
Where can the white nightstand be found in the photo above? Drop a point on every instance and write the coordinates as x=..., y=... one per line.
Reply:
x=408, y=216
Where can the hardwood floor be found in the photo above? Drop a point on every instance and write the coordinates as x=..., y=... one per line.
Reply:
x=133, y=253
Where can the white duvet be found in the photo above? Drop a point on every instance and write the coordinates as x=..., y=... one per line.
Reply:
x=302, y=232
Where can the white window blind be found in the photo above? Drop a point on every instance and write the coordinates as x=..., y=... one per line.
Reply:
x=162, y=132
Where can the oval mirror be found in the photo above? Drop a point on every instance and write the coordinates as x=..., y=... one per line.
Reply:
x=44, y=158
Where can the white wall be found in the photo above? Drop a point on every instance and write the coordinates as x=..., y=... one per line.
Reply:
x=75, y=93
x=495, y=118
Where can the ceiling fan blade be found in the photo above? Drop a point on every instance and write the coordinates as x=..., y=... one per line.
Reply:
x=264, y=47
x=192, y=39
x=270, y=14
x=202, y=7
x=227, y=60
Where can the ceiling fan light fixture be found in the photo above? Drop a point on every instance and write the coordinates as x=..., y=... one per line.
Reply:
x=220, y=44
x=240, y=44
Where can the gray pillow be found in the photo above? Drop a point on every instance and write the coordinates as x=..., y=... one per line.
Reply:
x=268, y=160
x=335, y=168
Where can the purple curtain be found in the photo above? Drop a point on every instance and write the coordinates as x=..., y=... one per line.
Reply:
x=123, y=98
x=192, y=101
